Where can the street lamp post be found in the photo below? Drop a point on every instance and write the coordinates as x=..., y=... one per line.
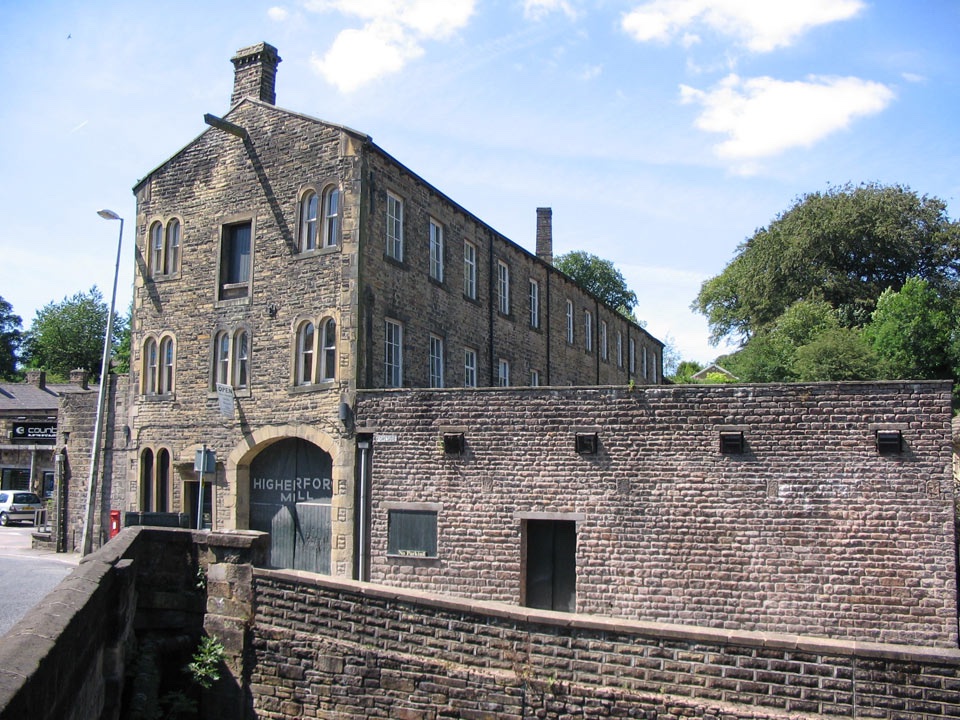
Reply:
x=86, y=543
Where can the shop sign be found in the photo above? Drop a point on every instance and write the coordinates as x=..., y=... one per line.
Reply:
x=41, y=431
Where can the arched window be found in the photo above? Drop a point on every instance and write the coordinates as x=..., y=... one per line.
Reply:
x=172, y=261
x=309, y=208
x=305, y=342
x=331, y=216
x=165, y=385
x=156, y=249
x=146, y=480
x=241, y=359
x=150, y=367
x=221, y=360
x=328, y=350
x=163, y=480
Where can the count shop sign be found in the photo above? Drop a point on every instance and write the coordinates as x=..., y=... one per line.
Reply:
x=44, y=432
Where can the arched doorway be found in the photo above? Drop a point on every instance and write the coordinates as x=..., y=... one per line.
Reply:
x=291, y=490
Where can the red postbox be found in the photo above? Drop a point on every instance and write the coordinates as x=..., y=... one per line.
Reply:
x=114, y=523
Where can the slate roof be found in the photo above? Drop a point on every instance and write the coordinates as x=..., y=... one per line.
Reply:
x=27, y=397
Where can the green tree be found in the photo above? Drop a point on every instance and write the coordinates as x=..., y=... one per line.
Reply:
x=11, y=336
x=839, y=353
x=599, y=277
x=685, y=371
x=846, y=245
x=68, y=335
x=912, y=331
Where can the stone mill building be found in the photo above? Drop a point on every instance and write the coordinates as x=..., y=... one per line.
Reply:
x=283, y=264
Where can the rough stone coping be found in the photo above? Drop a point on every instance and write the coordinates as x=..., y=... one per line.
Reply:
x=654, y=630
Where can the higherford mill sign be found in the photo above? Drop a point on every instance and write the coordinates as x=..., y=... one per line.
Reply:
x=40, y=431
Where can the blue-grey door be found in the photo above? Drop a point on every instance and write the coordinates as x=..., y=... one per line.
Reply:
x=290, y=494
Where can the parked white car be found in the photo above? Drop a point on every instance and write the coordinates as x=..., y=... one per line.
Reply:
x=18, y=506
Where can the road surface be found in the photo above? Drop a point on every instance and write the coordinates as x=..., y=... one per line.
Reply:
x=26, y=575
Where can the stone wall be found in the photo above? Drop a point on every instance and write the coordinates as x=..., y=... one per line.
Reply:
x=336, y=649
x=810, y=530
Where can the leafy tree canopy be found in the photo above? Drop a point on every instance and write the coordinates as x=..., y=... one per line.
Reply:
x=69, y=335
x=845, y=246
x=599, y=277
x=11, y=335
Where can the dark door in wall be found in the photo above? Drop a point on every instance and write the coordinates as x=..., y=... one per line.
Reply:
x=290, y=495
x=551, y=565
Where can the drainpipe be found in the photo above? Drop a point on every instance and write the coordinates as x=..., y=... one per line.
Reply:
x=363, y=569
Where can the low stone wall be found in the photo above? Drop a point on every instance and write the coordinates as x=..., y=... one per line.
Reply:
x=74, y=656
x=337, y=649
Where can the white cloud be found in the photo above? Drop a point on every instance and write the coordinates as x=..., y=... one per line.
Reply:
x=277, y=14
x=538, y=9
x=393, y=34
x=761, y=25
x=591, y=71
x=763, y=116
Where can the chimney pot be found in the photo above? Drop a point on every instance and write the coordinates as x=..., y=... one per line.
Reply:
x=545, y=234
x=38, y=378
x=255, y=73
x=79, y=377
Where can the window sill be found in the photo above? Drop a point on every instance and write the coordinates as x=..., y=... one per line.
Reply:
x=314, y=387
x=158, y=397
x=165, y=278
x=390, y=260
x=237, y=393
x=317, y=252
x=422, y=560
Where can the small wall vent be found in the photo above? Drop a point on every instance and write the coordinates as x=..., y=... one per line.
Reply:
x=731, y=442
x=889, y=442
x=587, y=443
x=453, y=443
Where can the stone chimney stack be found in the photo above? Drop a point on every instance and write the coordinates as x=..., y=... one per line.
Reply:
x=79, y=377
x=255, y=73
x=37, y=378
x=545, y=234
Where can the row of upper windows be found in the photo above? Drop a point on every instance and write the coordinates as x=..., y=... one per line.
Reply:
x=393, y=368
x=319, y=227
x=394, y=250
x=315, y=358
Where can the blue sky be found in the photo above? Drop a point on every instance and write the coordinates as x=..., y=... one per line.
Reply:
x=663, y=133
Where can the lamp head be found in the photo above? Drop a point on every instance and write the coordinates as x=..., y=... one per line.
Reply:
x=108, y=215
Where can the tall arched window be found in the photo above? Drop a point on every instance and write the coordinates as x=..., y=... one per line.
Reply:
x=331, y=216
x=172, y=260
x=146, y=480
x=156, y=249
x=221, y=361
x=150, y=367
x=328, y=350
x=309, y=209
x=163, y=480
x=165, y=385
x=241, y=359
x=305, y=343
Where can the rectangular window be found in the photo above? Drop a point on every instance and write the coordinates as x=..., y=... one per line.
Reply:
x=643, y=361
x=588, y=330
x=603, y=340
x=569, y=322
x=632, y=356
x=394, y=227
x=503, y=287
x=436, y=250
x=534, y=304
x=436, y=362
x=412, y=533
x=534, y=378
x=503, y=373
x=619, y=349
x=235, y=261
x=469, y=367
x=470, y=270
x=393, y=354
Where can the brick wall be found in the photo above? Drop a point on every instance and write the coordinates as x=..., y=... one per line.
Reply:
x=325, y=648
x=809, y=531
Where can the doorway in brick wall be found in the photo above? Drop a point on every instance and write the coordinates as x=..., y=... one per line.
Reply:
x=290, y=497
x=550, y=564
